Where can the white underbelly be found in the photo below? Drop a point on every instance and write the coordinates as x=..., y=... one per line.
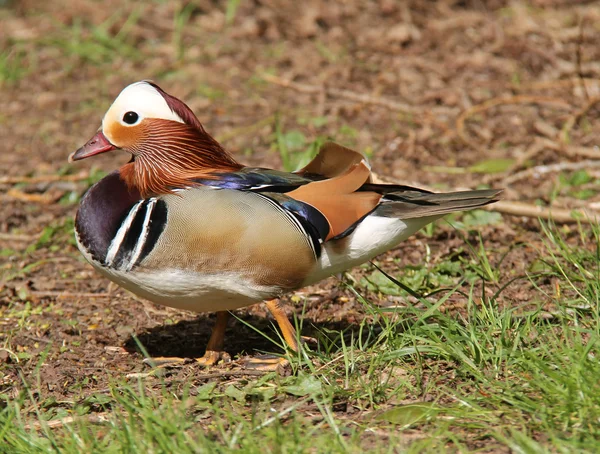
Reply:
x=191, y=291
x=188, y=290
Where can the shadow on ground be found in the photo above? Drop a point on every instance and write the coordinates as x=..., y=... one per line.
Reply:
x=246, y=335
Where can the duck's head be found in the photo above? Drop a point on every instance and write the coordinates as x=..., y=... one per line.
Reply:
x=168, y=145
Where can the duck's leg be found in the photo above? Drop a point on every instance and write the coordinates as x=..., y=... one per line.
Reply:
x=214, y=348
x=288, y=331
x=276, y=363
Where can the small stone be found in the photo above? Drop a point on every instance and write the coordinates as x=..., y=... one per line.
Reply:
x=4, y=356
x=403, y=33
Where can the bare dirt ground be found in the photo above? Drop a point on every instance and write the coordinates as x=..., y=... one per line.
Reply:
x=430, y=90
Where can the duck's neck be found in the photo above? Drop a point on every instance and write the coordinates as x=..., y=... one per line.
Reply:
x=175, y=156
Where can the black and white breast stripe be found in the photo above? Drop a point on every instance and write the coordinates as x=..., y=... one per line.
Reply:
x=314, y=243
x=137, y=235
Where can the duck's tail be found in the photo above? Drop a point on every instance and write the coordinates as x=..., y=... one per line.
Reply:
x=413, y=204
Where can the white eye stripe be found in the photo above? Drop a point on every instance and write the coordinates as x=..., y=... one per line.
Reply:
x=143, y=99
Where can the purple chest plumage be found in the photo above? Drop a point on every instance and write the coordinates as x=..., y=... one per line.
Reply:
x=116, y=226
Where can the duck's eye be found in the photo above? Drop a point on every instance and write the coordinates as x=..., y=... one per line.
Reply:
x=130, y=118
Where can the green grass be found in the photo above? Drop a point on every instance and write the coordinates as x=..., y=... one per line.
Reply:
x=296, y=150
x=13, y=65
x=98, y=45
x=414, y=378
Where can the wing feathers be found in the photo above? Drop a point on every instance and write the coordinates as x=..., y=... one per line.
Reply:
x=332, y=161
x=337, y=200
x=337, y=185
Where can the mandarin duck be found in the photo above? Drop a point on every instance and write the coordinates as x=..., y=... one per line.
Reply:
x=183, y=224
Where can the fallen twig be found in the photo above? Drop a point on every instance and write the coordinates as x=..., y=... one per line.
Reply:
x=537, y=171
x=230, y=373
x=43, y=178
x=584, y=152
x=67, y=295
x=546, y=84
x=16, y=194
x=55, y=423
x=500, y=101
x=36, y=339
x=538, y=145
x=16, y=237
x=559, y=215
x=573, y=119
x=220, y=374
x=344, y=94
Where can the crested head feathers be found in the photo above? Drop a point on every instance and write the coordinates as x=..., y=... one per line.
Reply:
x=169, y=147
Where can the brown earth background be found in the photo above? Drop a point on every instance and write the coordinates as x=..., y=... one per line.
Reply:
x=440, y=94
